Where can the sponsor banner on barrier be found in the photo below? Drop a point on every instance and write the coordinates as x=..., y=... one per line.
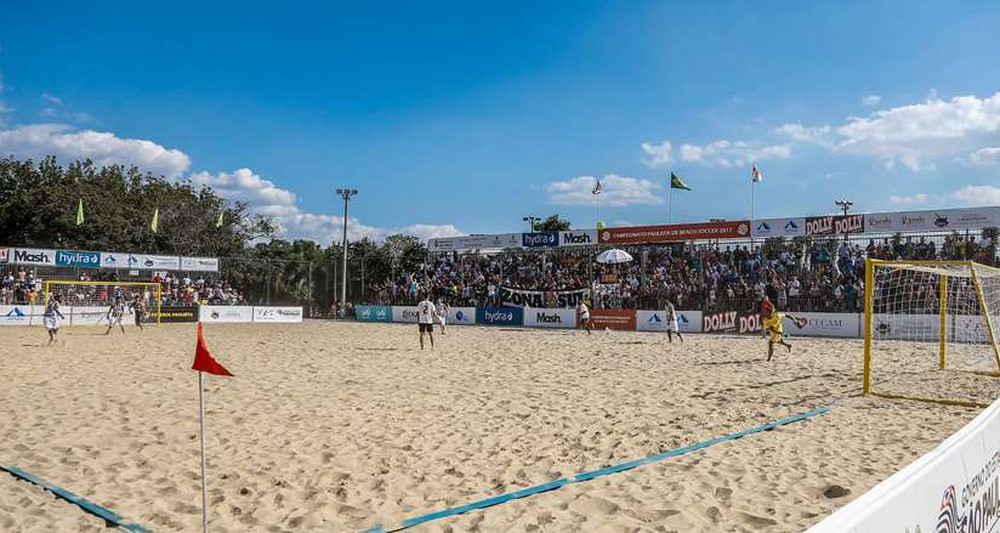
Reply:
x=540, y=239
x=93, y=316
x=687, y=321
x=17, y=315
x=846, y=325
x=200, y=264
x=954, y=488
x=936, y=220
x=373, y=313
x=225, y=313
x=475, y=242
x=4, y=255
x=906, y=327
x=78, y=259
x=675, y=232
x=619, y=319
x=779, y=227
x=578, y=237
x=169, y=314
x=462, y=315
x=407, y=313
x=114, y=260
x=159, y=262
x=500, y=316
x=34, y=256
x=730, y=322
x=277, y=314
x=527, y=298
x=550, y=318
x=835, y=225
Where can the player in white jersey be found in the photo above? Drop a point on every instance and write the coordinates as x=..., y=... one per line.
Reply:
x=583, y=316
x=442, y=313
x=425, y=318
x=116, y=314
x=672, y=326
x=52, y=317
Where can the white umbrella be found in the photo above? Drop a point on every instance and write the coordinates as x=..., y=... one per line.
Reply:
x=614, y=256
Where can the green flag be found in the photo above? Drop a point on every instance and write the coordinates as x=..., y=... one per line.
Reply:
x=79, y=213
x=600, y=224
x=155, y=224
x=677, y=183
x=218, y=223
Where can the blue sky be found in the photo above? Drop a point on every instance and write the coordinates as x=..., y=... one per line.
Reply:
x=464, y=117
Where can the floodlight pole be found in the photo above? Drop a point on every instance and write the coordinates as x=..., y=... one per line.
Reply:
x=845, y=206
x=347, y=194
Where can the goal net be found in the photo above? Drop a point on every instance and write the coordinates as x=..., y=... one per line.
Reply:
x=87, y=302
x=929, y=331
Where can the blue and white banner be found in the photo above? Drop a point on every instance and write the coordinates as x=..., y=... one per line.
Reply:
x=78, y=259
x=373, y=313
x=656, y=320
x=550, y=318
x=540, y=240
x=500, y=316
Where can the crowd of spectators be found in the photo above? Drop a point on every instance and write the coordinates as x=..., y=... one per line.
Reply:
x=798, y=275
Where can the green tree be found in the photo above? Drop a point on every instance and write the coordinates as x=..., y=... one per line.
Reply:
x=553, y=223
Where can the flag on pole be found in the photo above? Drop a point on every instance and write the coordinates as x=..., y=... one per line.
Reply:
x=218, y=223
x=677, y=183
x=755, y=174
x=203, y=360
x=155, y=223
x=597, y=188
x=600, y=224
x=79, y=213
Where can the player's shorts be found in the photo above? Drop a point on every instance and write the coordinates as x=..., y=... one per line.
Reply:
x=429, y=328
x=115, y=320
x=776, y=337
x=442, y=320
x=672, y=326
x=51, y=322
x=584, y=318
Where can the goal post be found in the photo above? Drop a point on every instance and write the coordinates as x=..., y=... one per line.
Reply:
x=916, y=308
x=103, y=293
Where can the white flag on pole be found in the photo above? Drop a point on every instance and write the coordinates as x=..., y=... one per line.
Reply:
x=755, y=174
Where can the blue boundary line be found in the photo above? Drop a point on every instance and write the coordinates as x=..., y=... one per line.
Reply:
x=108, y=516
x=593, y=474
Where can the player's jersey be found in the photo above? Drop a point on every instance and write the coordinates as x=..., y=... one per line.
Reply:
x=52, y=309
x=582, y=309
x=117, y=310
x=773, y=325
x=426, y=312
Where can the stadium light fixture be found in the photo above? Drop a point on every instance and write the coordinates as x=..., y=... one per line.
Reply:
x=346, y=194
x=531, y=219
x=844, y=205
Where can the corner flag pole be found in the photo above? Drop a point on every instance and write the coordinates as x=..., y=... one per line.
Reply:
x=670, y=205
x=204, y=480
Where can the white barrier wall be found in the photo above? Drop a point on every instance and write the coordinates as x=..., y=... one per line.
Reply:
x=277, y=314
x=846, y=325
x=549, y=318
x=462, y=315
x=20, y=315
x=656, y=320
x=404, y=314
x=953, y=489
x=92, y=316
x=225, y=313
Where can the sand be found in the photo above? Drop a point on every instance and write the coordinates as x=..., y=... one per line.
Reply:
x=340, y=427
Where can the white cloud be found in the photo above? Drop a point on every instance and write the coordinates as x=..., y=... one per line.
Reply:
x=913, y=133
x=52, y=99
x=65, y=142
x=659, y=154
x=799, y=133
x=977, y=195
x=985, y=157
x=48, y=112
x=871, y=100
x=248, y=187
x=724, y=153
x=916, y=199
x=616, y=191
x=4, y=110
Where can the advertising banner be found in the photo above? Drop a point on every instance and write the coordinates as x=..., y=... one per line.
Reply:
x=578, y=237
x=114, y=260
x=906, y=327
x=540, y=240
x=34, y=256
x=550, y=318
x=952, y=489
x=170, y=314
x=373, y=313
x=499, y=316
x=730, y=322
x=526, y=298
x=835, y=225
x=475, y=242
x=78, y=259
x=158, y=262
x=225, y=313
x=675, y=233
x=779, y=227
x=687, y=321
x=936, y=220
x=4, y=255
x=846, y=325
x=277, y=314
x=406, y=314
x=200, y=264
x=462, y=315
x=93, y=316
x=19, y=315
x=618, y=319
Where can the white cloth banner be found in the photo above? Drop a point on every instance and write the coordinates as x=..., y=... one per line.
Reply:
x=933, y=220
x=406, y=314
x=462, y=315
x=200, y=264
x=225, y=313
x=158, y=262
x=687, y=321
x=475, y=242
x=846, y=325
x=277, y=314
x=955, y=488
x=549, y=318
x=778, y=227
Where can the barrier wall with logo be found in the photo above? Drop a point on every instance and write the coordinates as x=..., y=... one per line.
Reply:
x=373, y=313
x=687, y=321
x=617, y=319
x=500, y=316
x=277, y=314
x=954, y=488
x=25, y=315
x=549, y=318
x=465, y=316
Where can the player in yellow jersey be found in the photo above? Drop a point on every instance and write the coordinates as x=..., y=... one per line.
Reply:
x=772, y=324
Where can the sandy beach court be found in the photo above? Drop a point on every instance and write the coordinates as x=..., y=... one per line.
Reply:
x=341, y=427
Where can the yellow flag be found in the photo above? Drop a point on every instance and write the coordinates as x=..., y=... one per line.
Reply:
x=218, y=223
x=155, y=224
x=79, y=213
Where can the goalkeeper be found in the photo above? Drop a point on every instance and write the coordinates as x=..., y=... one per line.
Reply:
x=773, y=326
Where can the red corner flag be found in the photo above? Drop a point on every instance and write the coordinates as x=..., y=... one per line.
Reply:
x=203, y=360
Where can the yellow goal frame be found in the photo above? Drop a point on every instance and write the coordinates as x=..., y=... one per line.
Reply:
x=870, y=266
x=157, y=289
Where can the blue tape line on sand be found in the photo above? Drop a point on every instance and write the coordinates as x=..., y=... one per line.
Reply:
x=587, y=476
x=108, y=516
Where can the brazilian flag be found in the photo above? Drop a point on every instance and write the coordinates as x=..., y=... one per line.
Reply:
x=677, y=183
